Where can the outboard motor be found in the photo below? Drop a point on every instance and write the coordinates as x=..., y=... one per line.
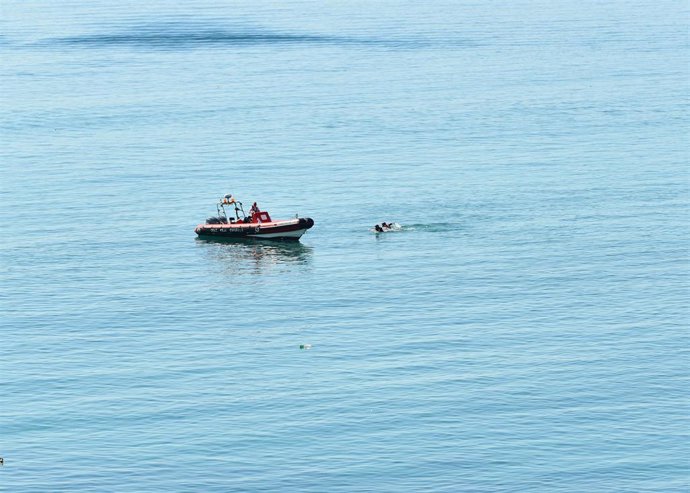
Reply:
x=216, y=220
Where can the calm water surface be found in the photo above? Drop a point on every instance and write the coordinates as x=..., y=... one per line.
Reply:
x=525, y=331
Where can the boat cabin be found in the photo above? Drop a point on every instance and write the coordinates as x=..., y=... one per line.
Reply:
x=261, y=217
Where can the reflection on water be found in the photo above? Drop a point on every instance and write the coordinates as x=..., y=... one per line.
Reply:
x=248, y=256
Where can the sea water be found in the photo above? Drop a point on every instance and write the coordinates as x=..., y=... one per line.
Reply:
x=525, y=330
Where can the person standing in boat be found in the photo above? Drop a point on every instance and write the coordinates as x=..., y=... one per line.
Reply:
x=254, y=209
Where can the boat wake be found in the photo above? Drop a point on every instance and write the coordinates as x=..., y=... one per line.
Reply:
x=427, y=228
x=433, y=228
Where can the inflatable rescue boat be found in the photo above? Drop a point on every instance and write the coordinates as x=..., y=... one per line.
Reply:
x=258, y=224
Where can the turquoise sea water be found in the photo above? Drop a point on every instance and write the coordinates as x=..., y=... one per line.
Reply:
x=525, y=331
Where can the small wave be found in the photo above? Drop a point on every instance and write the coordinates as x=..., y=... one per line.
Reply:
x=182, y=39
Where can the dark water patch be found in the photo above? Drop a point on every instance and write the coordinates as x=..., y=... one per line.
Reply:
x=192, y=36
x=188, y=34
